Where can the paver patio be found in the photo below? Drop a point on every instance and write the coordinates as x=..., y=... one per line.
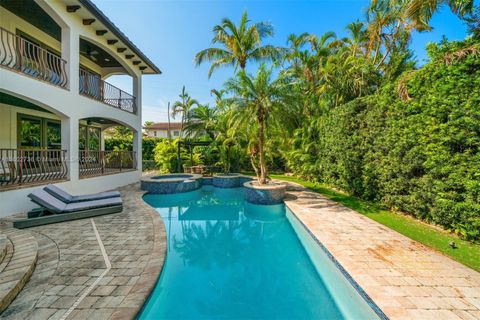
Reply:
x=404, y=278
x=70, y=261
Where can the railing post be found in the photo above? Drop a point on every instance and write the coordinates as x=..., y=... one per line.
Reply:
x=20, y=166
x=102, y=157
x=121, y=160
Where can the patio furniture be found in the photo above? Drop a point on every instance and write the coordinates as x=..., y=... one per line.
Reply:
x=68, y=198
x=55, y=210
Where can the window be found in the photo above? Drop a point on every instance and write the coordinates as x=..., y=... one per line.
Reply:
x=36, y=133
x=154, y=133
x=175, y=133
x=82, y=137
x=94, y=138
x=89, y=138
x=54, y=135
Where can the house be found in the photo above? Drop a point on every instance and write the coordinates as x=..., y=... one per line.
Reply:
x=56, y=101
x=160, y=130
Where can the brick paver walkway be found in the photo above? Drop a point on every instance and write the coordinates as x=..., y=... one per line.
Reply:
x=70, y=261
x=406, y=279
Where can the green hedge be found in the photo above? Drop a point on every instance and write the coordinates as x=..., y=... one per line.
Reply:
x=148, y=145
x=419, y=153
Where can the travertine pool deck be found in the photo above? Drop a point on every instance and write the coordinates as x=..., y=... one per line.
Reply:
x=72, y=279
x=406, y=279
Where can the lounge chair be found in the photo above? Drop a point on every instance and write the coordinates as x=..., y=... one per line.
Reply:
x=55, y=210
x=68, y=198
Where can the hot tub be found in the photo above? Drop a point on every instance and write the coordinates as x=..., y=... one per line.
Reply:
x=171, y=183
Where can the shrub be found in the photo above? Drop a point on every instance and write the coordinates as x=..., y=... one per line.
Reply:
x=417, y=151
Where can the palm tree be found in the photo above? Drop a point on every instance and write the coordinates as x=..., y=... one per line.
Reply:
x=183, y=106
x=421, y=11
x=201, y=121
x=239, y=44
x=256, y=98
x=358, y=38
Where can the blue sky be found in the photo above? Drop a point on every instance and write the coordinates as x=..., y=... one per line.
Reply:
x=171, y=32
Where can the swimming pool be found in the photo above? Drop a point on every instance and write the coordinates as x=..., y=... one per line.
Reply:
x=231, y=259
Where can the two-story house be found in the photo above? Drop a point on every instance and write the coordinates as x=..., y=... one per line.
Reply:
x=55, y=99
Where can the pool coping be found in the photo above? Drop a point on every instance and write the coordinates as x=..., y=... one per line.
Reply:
x=342, y=270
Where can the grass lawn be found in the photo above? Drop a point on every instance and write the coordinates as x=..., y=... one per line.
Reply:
x=467, y=253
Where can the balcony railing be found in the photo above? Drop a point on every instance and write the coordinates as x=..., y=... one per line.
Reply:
x=98, y=163
x=23, y=167
x=26, y=57
x=92, y=86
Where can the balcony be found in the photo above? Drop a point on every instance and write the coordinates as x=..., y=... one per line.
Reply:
x=99, y=163
x=26, y=167
x=25, y=57
x=92, y=86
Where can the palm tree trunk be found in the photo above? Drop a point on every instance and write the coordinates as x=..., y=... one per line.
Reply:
x=261, y=151
x=181, y=125
x=169, y=135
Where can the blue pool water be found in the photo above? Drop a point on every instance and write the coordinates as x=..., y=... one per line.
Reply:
x=228, y=259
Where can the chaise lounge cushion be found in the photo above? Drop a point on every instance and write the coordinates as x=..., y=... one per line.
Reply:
x=46, y=200
x=94, y=204
x=52, y=204
x=68, y=198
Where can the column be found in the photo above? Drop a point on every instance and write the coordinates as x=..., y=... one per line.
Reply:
x=70, y=143
x=137, y=135
x=71, y=54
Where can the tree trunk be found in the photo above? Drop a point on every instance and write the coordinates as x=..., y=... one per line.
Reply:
x=261, y=145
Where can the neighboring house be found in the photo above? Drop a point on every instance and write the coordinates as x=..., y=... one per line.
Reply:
x=55, y=102
x=160, y=130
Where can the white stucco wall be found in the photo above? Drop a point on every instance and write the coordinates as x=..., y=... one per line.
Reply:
x=161, y=133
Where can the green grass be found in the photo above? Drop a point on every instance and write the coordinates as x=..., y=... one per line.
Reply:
x=467, y=253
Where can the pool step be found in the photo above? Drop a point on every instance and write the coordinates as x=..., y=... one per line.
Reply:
x=17, y=265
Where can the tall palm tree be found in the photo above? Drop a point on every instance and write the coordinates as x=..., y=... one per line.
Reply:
x=257, y=98
x=239, y=44
x=183, y=107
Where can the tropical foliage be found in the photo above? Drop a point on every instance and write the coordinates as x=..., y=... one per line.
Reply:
x=356, y=113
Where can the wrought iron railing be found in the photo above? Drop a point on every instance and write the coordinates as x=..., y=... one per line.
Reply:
x=23, y=56
x=98, y=163
x=19, y=167
x=92, y=86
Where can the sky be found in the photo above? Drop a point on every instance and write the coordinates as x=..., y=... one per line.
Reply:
x=171, y=32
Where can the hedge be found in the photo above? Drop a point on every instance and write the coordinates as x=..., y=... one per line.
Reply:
x=125, y=143
x=414, y=145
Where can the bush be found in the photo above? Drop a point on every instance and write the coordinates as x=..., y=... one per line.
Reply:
x=148, y=147
x=416, y=150
x=148, y=165
x=165, y=155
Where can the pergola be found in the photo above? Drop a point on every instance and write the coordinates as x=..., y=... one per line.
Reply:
x=190, y=145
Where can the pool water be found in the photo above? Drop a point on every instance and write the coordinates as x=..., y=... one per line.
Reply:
x=228, y=259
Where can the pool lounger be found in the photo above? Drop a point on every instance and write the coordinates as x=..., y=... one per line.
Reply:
x=59, y=211
x=68, y=198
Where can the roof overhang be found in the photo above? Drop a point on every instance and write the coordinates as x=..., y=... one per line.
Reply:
x=116, y=37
